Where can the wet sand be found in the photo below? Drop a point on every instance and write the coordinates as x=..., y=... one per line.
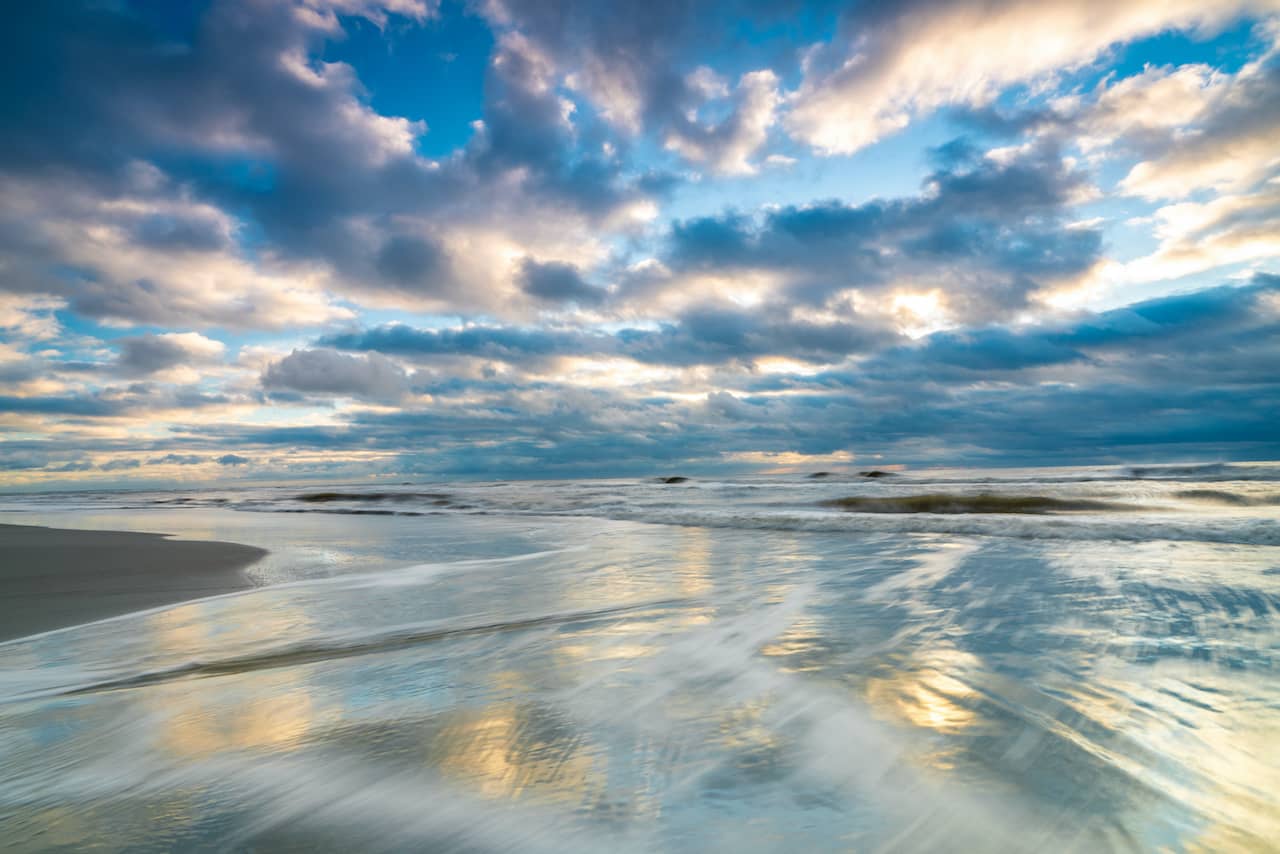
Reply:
x=51, y=578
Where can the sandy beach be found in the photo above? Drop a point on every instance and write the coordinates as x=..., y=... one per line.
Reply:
x=55, y=577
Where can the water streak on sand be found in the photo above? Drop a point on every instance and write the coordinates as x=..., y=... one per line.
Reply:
x=353, y=644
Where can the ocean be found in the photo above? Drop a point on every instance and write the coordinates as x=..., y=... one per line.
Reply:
x=1082, y=659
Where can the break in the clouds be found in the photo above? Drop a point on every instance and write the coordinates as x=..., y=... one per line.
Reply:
x=292, y=238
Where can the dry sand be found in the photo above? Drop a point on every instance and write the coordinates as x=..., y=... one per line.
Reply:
x=51, y=577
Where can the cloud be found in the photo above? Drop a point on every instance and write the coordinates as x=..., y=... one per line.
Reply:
x=719, y=334
x=726, y=405
x=324, y=13
x=984, y=234
x=242, y=89
x=30, y=317
x=705, y=335
x=327, y=372
x=890, y=64
x=1194, y=237
x=1146, y=107
x=120, y=465
x=148, y=354
x=727, y=146
x=1202, y=139
x=502, y=343
x=413, y=262
x=554, y=282
x=90, y=405
x=1184, y=374
x=1223, y=138
x=1214, y=336
x=603, y=272
x=115, y=253
x=178, y=460
x=291, y=191
x=22, y=461
x=146, y=398
x=640, y=68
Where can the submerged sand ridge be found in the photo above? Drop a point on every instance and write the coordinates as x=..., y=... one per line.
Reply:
x=53, y=578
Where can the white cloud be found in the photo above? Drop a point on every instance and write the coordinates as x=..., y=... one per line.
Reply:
x=323, y=14
x=1159, y=98
x=30, y=317
x=1195, y=237
x=899, y=65
x=1226, y=133
x=728, y=146
x=152, y=258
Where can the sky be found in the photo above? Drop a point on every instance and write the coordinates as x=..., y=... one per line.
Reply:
x=252, y=240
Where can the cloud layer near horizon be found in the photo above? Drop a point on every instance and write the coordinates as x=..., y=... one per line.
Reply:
x=295, y=238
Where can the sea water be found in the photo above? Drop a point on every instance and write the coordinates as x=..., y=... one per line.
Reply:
x=713, y=664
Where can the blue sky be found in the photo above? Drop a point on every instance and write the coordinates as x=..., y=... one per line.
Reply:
x=277, y=239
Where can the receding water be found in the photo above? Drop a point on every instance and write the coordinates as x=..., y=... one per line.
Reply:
x=729, y=665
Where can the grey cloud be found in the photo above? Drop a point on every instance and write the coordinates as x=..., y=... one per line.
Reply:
x=22, y=370
x=708, y=334
x=120, y=465
x=113, y=401
x=1213, y=336
x=727, y=405
x=71, y=467
x=716, y=334
x=556, y=282
x=89, y=405
x=177, y=460
x=525, y=131
x=635, y=64
x=22, y=461
x=414, y=263
x=500, y=343
x=181, y=233
x=148, y=354
x=327, y=372
x=987, y=233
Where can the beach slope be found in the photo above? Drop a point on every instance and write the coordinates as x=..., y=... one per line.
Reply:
x=51, y=577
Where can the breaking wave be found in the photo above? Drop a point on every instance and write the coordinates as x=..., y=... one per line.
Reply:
x=1202, y=471
x=983, y=502
x=1218, y=496
x=440, y=498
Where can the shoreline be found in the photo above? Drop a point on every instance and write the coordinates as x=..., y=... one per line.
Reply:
x=54, y=578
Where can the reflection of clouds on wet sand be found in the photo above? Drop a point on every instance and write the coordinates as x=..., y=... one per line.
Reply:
x=666, y=689
x=271, y=710
x=929, y=694
x=509, y=751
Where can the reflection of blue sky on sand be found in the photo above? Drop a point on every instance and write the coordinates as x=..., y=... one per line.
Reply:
x=663, y=687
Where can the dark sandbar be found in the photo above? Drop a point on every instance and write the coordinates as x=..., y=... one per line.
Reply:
x=51, y=578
